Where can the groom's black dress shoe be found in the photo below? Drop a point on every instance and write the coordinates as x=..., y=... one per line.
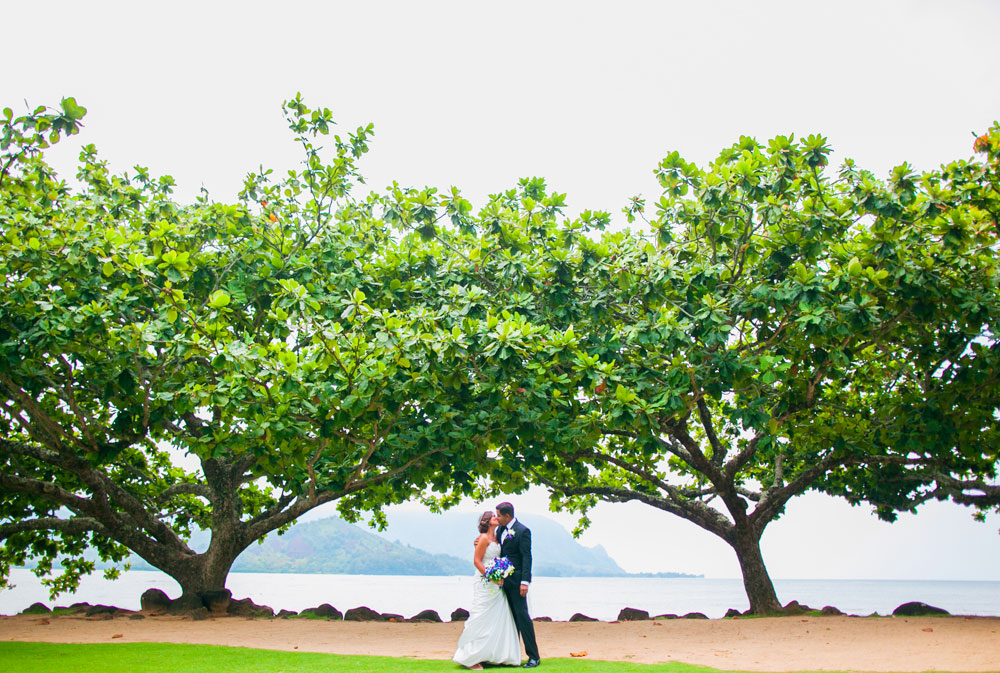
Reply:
x=530, y=663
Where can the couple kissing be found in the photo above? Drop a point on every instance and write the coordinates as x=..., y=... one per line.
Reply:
x=499, y=611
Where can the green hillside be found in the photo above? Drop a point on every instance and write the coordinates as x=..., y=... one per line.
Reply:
x=555, y=552
x=333, y=546
x=415, y=543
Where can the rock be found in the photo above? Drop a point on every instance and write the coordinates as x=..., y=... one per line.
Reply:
x=460, y=615
x=362, y=614
x=95, y=610
x=580, y=617
x=917, y=609
x=216, y=601
x=632, y=615
x=325, y=611
x=154, y=600
x=285, y=614
x=425, y=616
x=137, y=616
x=732, y=613
x=668, y=615
x=392, y=617
x=542, y=619
x=36, y=609
x=694, y=615
x=247, y=608
x=794, y=608
x=199, y=614
x=830, y=611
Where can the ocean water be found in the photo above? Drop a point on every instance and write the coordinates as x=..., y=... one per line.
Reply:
x=555, y=597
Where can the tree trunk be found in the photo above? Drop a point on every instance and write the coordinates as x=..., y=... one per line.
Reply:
x=756, y=581
x=206, y=572
x=199, y=574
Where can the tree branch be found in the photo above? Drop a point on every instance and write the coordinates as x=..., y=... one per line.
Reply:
x=75, y=525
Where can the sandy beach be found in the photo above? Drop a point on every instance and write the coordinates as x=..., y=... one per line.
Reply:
x=765, y=644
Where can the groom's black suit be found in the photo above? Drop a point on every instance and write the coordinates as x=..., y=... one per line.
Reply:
x=517, y=549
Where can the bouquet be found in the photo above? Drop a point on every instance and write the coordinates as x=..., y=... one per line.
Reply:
x=497, y=569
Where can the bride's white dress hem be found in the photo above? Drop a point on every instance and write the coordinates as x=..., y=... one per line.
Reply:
x=490, y=635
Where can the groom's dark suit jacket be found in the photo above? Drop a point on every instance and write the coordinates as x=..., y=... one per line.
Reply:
x=517, y=549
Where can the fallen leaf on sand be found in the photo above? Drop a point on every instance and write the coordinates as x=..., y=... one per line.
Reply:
x=927, y=630
x=578, y=654
x=43, y=621
x=118, y=635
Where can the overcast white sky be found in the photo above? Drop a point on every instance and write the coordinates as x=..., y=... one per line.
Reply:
x=589, y=95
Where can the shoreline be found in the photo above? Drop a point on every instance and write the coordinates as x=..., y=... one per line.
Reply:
x=802, y=642
x=558, y=598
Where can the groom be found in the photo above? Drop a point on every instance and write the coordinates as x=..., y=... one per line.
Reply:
x=515, y=544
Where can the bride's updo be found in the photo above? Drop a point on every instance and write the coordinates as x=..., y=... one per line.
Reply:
x=484, y=521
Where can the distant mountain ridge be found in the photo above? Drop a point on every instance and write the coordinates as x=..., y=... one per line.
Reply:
x=555, y=552
x=335, y=546
x=414, y=543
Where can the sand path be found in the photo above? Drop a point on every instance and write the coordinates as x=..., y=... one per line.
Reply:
x=766, y=644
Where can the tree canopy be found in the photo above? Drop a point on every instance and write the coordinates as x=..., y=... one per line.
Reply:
x=776, y=328
x=283, y=342
x=772, y=327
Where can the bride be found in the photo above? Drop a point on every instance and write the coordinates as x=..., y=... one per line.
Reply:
x=490, y=634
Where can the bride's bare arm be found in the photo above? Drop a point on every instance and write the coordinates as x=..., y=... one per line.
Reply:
x=482, y=542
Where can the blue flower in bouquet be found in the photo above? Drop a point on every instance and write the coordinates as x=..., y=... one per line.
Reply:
x=498, y=569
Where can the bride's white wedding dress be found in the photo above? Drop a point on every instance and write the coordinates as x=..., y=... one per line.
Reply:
x=490, y=634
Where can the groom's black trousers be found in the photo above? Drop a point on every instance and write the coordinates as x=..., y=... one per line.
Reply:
x=519, y=607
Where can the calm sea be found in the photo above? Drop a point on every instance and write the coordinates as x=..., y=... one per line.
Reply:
x=555, y=597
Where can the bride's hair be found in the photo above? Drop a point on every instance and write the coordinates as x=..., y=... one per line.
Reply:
x=484, y=521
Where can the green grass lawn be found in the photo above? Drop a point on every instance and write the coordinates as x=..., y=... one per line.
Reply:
x=169, y=658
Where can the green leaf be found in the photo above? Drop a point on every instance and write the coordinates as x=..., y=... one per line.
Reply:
x=108, y=269
x=72, y=110
x=219, y=299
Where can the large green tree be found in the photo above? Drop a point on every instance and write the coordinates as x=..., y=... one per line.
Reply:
x=780, y=329
x=282, y=343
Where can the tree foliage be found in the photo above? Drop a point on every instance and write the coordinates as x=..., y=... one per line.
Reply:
x=775, y=327
x=779, y=329
x=282, y=342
